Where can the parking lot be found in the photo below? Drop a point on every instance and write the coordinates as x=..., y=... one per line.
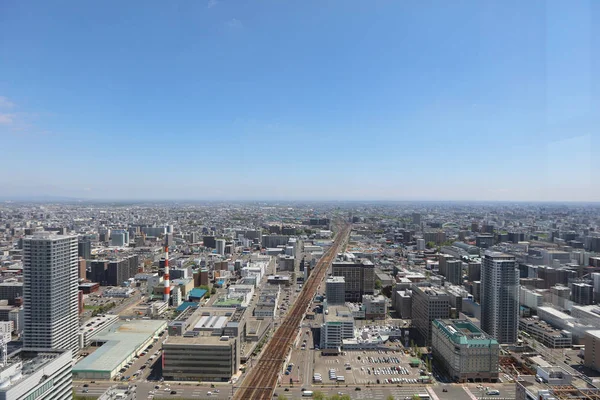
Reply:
x=366, y=367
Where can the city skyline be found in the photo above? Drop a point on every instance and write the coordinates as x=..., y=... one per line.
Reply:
x=224, y=100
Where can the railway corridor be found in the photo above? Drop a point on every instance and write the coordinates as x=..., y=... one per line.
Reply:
x=262, y=379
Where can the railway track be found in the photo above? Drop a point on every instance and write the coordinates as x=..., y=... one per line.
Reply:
x=262, y=379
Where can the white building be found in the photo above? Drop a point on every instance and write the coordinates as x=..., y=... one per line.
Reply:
x=338, y=325
x=50, y=292
x=37, y=374
x=420, y=244
x=375, y=306
x=529, y=298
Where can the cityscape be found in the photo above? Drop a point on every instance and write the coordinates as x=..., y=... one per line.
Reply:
x=255, y=300
x=328, y=200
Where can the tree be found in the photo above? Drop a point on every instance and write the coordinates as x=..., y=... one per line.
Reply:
x=282, y=396
x=377, y=284
x=430, y=245
x=428, y=364
x=318, y=395
x=213, y=290
x=390, y=397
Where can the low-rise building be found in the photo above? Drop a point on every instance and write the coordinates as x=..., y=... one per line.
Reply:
x=338, y=325
x=37, y=374
x=465, y=351
x=375, y=306
x=546, y=334
x=592, y=349
x=200, y=358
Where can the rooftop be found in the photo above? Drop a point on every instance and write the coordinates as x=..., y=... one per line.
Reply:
x=463, y=331
x=120, y=341
x=26, y=362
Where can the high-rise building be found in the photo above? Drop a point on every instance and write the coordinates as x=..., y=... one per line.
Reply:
x=119, y=238
x=474, y=271
x=50, y=292
x=454, y=271
x=420, y=244
x=335, y=289
x=582, y=293
x=359, y=278
x=428, y=304
x=220, y=246
x=113, y=272
x=84, y=248
x=500, y=296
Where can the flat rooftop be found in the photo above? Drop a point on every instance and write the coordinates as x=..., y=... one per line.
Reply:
x=120, y=341
x=27, y=362
x=207, y=340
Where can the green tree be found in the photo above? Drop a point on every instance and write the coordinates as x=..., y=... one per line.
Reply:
x=415, y=397
x=377, y=284
x=318, y=395
x=430, y=245
x=345, y=397
x=213, y=290
x=282, y=396
x=390, y=397
x=428, y=364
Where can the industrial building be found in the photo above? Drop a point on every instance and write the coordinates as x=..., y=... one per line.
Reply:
x=118, y=344
x=592, y=349
x=464, y=351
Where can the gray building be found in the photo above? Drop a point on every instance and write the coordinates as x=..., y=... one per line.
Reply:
x=10, y=291
x=428, y=304
x=500, y=296
x=113, y=272
x=359, y=277
x=454, y=271
x=335, y=289
x=42, y=374
x=50, y=292
x=204, y=358
x=582, y=293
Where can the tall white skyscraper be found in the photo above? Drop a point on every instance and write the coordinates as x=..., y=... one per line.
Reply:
x=500, y=296
x=50, y=292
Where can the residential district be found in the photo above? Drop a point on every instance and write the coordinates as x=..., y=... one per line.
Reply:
x=299, y=300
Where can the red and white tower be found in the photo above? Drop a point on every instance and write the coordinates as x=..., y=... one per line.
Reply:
x=166, y=276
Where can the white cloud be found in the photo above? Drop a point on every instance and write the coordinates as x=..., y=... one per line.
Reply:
x=234, y=24
x=6, y=119
x=5, y=103
x=212, y=3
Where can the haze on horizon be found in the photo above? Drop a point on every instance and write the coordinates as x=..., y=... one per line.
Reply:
x=347, y=100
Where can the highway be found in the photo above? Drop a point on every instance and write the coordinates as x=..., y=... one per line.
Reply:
x=261, y=381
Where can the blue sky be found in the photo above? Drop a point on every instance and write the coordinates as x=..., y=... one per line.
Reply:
x=407, y=100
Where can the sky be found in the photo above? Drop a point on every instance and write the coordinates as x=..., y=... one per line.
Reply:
x=313, y=99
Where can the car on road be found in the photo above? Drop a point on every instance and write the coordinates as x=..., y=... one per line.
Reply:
x=173, y=392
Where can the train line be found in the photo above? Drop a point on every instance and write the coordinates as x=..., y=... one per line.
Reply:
x=260, y=383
